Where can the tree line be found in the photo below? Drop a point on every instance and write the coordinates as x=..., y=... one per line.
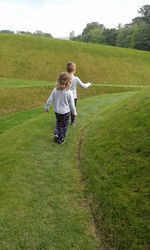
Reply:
x=133, y=35
x=20, y=32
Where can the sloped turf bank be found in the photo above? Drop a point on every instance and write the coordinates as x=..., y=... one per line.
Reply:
x=42, y=197
x=114, y=159
x=40, y=58
x=20, y=95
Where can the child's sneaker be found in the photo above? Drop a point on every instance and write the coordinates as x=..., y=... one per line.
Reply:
x=55, y=138
x=60, y=142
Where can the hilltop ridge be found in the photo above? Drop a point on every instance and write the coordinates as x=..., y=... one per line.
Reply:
x=36, y=58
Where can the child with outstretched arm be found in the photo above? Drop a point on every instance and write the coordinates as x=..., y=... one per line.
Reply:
x=63, y=101
x=75, y=81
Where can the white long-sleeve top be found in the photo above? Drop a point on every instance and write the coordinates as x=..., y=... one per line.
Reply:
x=75, y=81
x=62, y=100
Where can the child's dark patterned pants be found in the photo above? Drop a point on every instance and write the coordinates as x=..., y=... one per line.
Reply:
x=61, y=126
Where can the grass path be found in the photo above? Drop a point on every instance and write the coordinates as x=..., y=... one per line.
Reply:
x=17, y=83
x=21, y=95
x=43, y=204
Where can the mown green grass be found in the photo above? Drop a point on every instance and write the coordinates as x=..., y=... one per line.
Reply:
x=34, y=58
x=19, y=83
x=46, y=190
x=114, y=159
x=20, y=99
x=21, y=95
x=42, y=202
x=11, y=120
x=43, y=205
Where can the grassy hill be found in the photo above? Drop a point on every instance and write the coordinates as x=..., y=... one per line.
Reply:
x=92, y=192
x=21, y=95
x=114, y=159
x=105, y=158
x=34, y=58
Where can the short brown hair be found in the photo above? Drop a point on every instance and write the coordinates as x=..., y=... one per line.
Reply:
x=64, y=78
x=71, y=66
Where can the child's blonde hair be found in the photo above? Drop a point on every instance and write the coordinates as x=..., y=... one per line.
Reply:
x=71, y=67
x=63, y=79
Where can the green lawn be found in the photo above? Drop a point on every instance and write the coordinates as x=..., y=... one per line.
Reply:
x=92, y=192
x=114, y=159
x=43, y=203
x=20, y=95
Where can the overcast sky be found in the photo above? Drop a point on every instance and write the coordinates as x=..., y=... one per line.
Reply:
x=60, y=17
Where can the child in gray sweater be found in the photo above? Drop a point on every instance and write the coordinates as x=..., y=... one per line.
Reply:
x=63, y=101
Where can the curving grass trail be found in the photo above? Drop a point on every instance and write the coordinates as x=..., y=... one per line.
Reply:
x=43, y=204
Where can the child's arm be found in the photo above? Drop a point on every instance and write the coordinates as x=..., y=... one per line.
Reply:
x=83, y=85
x=72, y=104
x=49, y=102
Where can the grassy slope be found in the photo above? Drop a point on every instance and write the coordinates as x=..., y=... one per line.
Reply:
x=19, y=95
x=115, y=162
x=26, y=57
x=43, y=204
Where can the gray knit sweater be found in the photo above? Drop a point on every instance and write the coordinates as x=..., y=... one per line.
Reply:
x=62, y=100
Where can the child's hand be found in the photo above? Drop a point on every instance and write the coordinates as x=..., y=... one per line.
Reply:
x=89, y=84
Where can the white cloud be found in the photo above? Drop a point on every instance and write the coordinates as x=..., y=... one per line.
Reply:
x=59, y=17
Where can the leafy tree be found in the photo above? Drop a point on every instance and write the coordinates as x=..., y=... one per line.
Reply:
x=132, y=35
x=93, y=33
x=92, y=26
x=136, y=34
x=110, y=36
x=97, y=36
x=47, y=35
x=137, y=20
x=94, y=36
x=7, y=32
x=141, y=29
x=24, y=32
x=124, y=37
x=38, y=33
x=41, y=33
x=141, y=37
x=145, y=13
